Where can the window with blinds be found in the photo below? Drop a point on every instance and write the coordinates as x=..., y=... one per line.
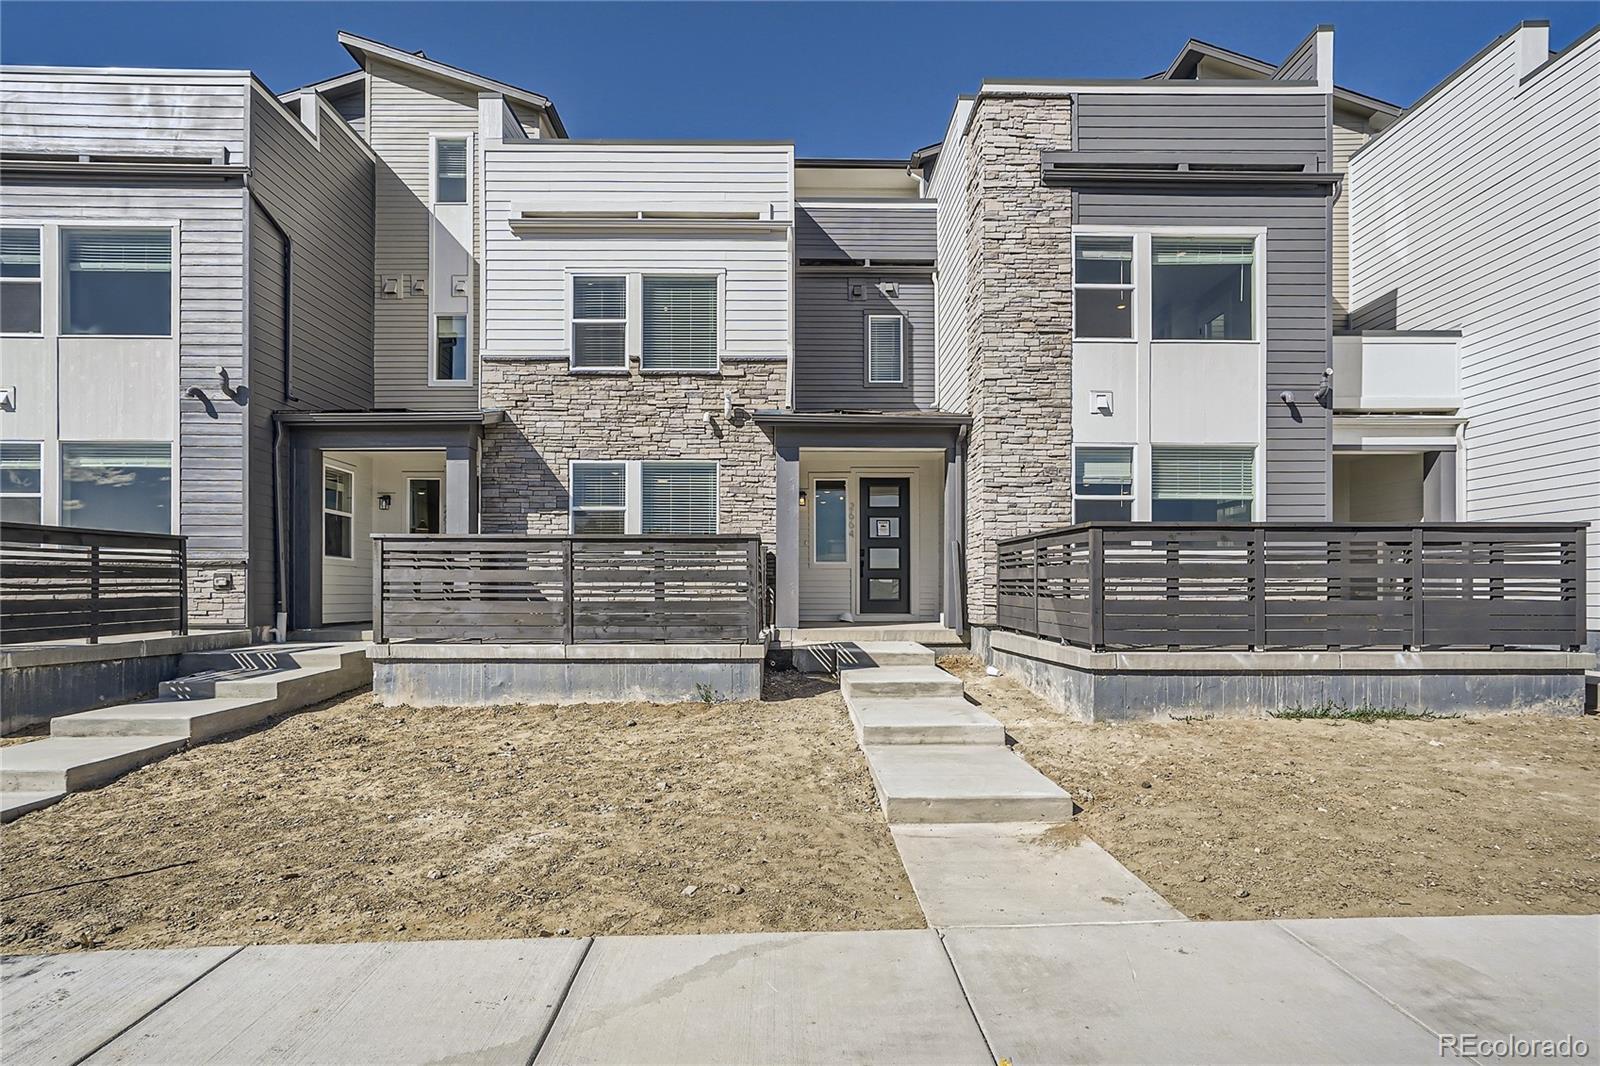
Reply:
x=21, y=289
x=21, y=481
x=1202, y=484
x=599, y=498
x=885, y=349
x=678, y=497
x=117, y=485
x=599, y=322
x=1202, y=288
x=680, y=322
x=1102, y=287
x=117, y=282
x=1102, y=484
x=449, y=348
x=450, y=171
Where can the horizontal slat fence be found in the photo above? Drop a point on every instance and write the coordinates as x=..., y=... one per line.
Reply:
x=568, y=590
x=1272, y=586
x=58, y=583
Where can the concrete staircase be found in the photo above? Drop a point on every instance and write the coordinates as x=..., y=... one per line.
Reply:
x=935, y=757
x=217, y=692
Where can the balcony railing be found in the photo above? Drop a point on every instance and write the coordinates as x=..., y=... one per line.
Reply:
x=568, y=590
x=1376, y=373
x=1273, y=586
x=58, y=583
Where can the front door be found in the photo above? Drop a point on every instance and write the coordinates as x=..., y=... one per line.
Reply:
x=885, y=545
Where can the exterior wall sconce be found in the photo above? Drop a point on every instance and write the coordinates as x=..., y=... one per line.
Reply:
x=385, y=501
x=802, y=497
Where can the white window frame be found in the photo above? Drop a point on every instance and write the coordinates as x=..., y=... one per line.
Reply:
x=842, y=479
x=433, y=347
x=326, y=510
x=626, y=321
x=173, y=464
x=38, y=446
x=721, y=277
x=436, y=478
x=61, y=301
x=433, y=169
x=900, y=369
x=1133, y=496
x=633, y=491
x=1132, y=289
x=44, y=314
x=1258, y=278
x=636, y=477
x=1257, y=452
x=435, y=294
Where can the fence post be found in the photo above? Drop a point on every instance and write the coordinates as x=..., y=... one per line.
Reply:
x=1417, y=620
x=183, y=586
x=1580, y=611
x=377, y=590
x=755, y=573
x=572, y=608
x=1034, y=556
x=1258, y=587
x=94, y=594
x=1097, y=588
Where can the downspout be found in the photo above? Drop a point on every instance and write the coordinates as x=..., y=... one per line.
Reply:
x=280, y=534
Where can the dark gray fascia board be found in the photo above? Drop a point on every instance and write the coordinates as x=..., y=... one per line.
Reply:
x=1261, y=66
x=1188, y=177
x=391, y=419
x=1397, y=333
x=1173, y=162
x=786, y=417
x=324, y=85
x=849, y=163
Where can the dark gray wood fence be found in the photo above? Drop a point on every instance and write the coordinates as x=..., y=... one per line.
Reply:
x=58, y=583
x=1136, y=585
x=568, y=590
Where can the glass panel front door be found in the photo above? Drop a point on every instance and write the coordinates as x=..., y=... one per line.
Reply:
x=885, y=545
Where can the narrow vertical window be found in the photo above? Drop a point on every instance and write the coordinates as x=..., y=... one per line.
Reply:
x=118, y=282
x=450, y=171
x=1102, y=288
x=1202, y=484
x=21, y=286
x=1102, y=484
x=338, y=513
x=599, y=322
x=21, y=482
x=678, y=497
x=885, y=349
x=450, y=348
x=680, y=323
x=830, y=522
x=599, y=498
x=424, y=505
x=117, y=485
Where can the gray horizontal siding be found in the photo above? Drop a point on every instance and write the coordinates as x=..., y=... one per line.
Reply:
x=1302, y=65
x=1299, y=334
x=854, y=233
x=85, y=113
x=830, y=343
x=1292, y=124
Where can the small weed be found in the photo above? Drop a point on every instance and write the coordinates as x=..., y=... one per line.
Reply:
x=707, y=695
x=1366, y=712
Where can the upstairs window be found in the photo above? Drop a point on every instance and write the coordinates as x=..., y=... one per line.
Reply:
x=1202, y=484
x=678, y=497
x=1102, y=484
x=450, y=171
x=21, y=482
x=599, y=322
x=885, y=349
x=680, y=323
x=21, y=287
x=1203, y=288
x=599, y=498
x=117, y=485
x=1102, y=288
x=450, y=348
x=118, y=282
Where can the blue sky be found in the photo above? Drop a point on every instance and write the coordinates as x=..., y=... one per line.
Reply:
x=837, y=79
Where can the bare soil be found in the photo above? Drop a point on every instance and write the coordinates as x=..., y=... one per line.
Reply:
x=1235, y=818
x=358, y=822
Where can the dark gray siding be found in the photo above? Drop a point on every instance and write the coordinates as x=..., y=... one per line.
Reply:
x=1301, y=64
x=830, y=342
x=855, y=233
x=1299, y=331
x=1290, y=124
x=321, y=194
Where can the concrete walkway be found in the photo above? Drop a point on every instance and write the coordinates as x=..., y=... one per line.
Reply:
x=1350, y=990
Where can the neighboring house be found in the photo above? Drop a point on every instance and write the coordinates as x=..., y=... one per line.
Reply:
x=1477, y=215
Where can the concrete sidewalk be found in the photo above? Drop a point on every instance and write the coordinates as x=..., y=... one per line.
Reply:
x=1346, y=990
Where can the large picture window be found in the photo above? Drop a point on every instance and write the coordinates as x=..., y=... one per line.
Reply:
x=1202, y=288
x=117, y=485
x=1102, y=484
x=599, y=498
x=680, y=322
x=599, y=322
x=1102, y=288
x=1202, y=484
x=21, y=285
x=117, y=282
x=21, y=481
x=830, y=529
x=678, y=498
x=338, y=513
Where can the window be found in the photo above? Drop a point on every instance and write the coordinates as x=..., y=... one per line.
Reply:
x=338, y=513
x=20, y=285
x=680, y=323
x=1102, y=288
x=599, y=498
x=1203, y=288
x=678, y=497
x=450, y=348
x=450, y=171
x=1102, y=484
x=21, y=483
x=830, y=520
x=1202, y=484
x=424, y=505
x=117, y=485
x=118, y=282
x=885, y=349
x=599, y=322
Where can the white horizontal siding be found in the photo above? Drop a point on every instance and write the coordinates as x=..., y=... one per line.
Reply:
x=1347, y=138
x=1479, y=212
x=949, y=189
x=526, y=299
x=81, y=112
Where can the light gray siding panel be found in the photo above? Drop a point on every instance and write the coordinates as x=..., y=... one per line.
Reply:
x=1299, y=340
x=1290, y=124
x=1302, y=65
x=949, y=189
x=1349, y=134
x=825, y=233
x=830, y=342
x=87, y=113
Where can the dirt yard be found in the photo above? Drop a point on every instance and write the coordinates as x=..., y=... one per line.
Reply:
x=1258, y=818
x=356, y=822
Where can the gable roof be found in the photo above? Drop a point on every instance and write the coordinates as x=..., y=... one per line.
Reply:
x=1188, y=58
x=364, y=47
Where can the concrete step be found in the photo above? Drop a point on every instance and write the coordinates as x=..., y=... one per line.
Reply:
x=929, y=720
x=261, y=657
x=16, y=804
x=71, y=764
x=898, y=682
x=191, y=719
x=962, y=783
x=857, y=655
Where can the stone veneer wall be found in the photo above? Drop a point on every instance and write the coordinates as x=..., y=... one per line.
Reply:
x=1019, y=322
x=210, y=606
x=554, y=416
